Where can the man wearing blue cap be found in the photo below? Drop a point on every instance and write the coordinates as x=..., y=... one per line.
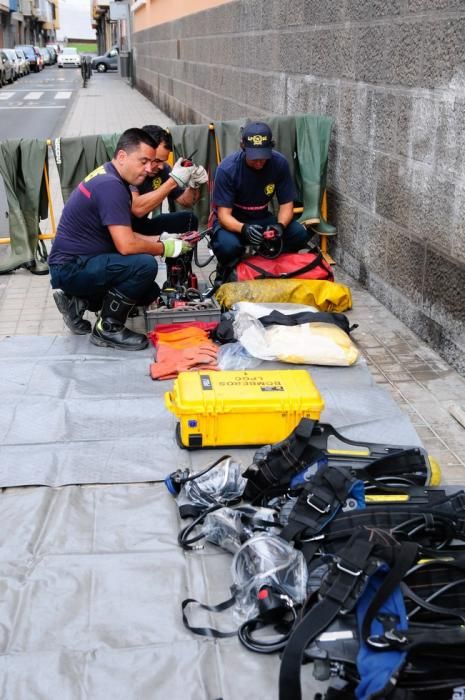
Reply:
x=245, y=183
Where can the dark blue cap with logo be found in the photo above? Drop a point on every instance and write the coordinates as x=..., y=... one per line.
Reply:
x=257, y=141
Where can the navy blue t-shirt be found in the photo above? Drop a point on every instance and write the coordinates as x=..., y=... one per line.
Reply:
x=153, y=182
x=247, y=191
x=102, y=199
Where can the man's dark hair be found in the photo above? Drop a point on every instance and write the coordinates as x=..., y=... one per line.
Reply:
x=131, y=139
x=159, y=135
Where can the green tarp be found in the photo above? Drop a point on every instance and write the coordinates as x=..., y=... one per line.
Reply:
x=313, y=134
x=76, y=157
x=22, y=164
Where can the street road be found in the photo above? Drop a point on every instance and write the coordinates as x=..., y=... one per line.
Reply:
x=36, y=106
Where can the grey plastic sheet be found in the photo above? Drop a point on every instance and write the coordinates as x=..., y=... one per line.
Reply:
x=92, y=581
x=73, y=413
x=91, y=576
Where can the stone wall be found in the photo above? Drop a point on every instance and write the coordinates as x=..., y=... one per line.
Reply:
x=392, y=74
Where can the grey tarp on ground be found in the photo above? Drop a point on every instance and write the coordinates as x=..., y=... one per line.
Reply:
x=92, y=580
x=91, y=576
x=22, y=164
x=74, y=413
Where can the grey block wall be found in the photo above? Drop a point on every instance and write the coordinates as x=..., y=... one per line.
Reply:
x=392, y=74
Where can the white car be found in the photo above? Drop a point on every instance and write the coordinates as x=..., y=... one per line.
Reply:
x=23, y=62
x=69, y=57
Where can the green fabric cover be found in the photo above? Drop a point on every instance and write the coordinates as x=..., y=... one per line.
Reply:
x=196, y=139
x=110, y=141
x=22, y=169
x=312, y=135
x=76, y=157
x=284, y=136
x=228, y=135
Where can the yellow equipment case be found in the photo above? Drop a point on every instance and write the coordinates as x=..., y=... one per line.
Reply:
x=241, y=407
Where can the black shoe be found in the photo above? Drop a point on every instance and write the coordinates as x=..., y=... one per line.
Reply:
x=110, y=331
x=72, y=309
x=112, y=335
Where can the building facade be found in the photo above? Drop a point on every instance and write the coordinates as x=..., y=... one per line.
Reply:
x=28, y=22
x=107, y=32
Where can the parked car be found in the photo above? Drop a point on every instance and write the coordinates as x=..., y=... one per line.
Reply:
x=11, y=54
x=55, y=47
x=53, y=53
x=23, y=62
x=45, y=53
x=109, y=61
x=69, y=57
x=9, y=66
x=32, y=55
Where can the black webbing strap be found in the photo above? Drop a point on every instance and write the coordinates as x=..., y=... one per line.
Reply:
x=350, y=573
x=208, y=631
x=439, y=582
x=422, y=518
x=405, y=558
x=409, y=465
x=438, y=639
x=282, y=461
x=324, y=493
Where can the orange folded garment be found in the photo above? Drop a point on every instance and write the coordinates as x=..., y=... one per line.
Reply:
x=185, y=338
x=169, y=327
x=171, y=361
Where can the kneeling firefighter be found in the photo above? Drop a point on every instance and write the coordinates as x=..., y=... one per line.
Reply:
x=98, y=262
x=245, y=183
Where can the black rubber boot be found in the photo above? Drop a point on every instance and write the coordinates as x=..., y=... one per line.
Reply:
x=110, y=331
x=72, y=309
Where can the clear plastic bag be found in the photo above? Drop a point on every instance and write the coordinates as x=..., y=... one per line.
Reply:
x=267, y=560
x=235, y=356
x=222, y=484
x=229, y=528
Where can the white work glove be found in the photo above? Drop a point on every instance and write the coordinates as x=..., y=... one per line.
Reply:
x=181, y=174
x=173, y=247
x=165, y=236
x=198, y=177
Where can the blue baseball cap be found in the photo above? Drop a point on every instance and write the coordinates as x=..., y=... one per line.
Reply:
x=257, y=141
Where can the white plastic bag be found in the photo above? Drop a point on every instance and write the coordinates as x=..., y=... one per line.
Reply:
x=307, y=343
x=257, y=310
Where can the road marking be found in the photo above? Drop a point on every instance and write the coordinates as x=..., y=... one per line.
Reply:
x=6, y=96
x=33, y=95
x=13, y=107
x=63, y=95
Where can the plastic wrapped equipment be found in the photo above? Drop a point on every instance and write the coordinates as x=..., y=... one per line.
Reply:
x=267, y=560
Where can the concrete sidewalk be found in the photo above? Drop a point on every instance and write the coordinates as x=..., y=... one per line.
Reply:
x=423, y=385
